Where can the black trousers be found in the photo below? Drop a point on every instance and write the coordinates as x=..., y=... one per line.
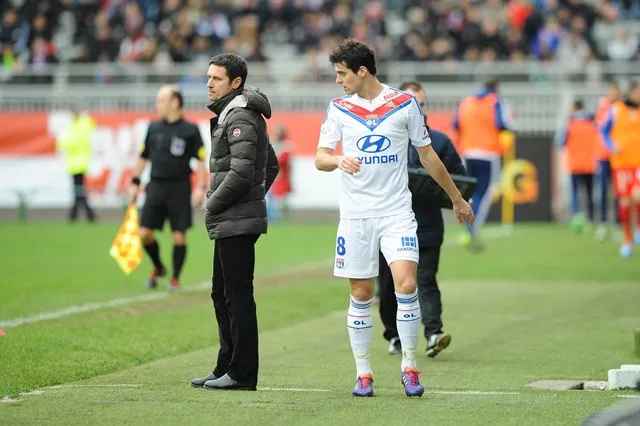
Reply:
x=235, y=308
x=428, y=294
x=80, y=199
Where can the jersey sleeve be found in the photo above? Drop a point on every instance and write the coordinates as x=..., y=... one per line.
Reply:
x=198, y=146
x=145, y=149
x=330, y=132
x=418, y=132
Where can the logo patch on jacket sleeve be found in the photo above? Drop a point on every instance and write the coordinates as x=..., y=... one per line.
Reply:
x=236, y=132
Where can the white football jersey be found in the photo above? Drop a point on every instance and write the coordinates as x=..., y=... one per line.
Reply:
x=376, y=132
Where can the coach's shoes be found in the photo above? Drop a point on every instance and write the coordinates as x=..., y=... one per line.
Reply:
x=174, y=285
x=436, y=343
x=411, y=382
x=395, y=347
x=227, y=383
x=364, y=385
x=152, y=282
x=199, y=382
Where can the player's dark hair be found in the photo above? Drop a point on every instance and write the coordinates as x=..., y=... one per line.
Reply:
x=234, y=65
x=411, y=85
x=578, y=104
x=354, y=54
x=491, y=83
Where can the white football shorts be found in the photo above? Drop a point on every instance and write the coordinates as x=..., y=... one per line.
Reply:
x=359, y=242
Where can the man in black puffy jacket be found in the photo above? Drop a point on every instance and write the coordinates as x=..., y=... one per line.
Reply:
x=243, y=166
x=430, y=237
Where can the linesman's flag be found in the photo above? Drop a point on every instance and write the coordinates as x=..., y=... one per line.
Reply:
x=127, y=247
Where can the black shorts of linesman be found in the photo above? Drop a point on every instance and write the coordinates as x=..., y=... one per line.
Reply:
x=170, y=145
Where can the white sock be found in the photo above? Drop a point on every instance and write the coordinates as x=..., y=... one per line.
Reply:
x=408, y=324
x=359, y=326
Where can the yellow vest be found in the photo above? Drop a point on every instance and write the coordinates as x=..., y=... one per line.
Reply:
x=75, y=144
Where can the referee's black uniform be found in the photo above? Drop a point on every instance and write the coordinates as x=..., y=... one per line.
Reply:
x=169, y=146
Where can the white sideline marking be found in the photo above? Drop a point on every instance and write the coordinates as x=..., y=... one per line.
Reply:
x=628, y=396
x=112, y=385
x=8, y=400
x=294, y=390
x=472, y=392
x=78, y=309
x=489, y=233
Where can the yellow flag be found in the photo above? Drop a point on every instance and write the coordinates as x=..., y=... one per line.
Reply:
x=127, y=247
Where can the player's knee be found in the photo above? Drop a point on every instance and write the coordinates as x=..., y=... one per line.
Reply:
x=362, y=290
x=624, y=202
x=146, y=235
x=179, y=238
x=406, y=286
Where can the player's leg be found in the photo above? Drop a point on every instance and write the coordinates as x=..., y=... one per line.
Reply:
x=223, y=319
x=152, y=218
x=77, y=192
x=388, y=306
x=588, y=184
x=181, y=218
x=357, y=259
x=635, y=200
x=623, y=182
x=604, y=173
x=481, y=198
x=360, y=325
x=577, y=218
x=83, y=200
x=431, y=301
x=399, y=245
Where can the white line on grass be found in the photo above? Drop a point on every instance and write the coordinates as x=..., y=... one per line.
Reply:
x=89, y=307
x=489, y=233
x=472, y=392
x=628, y=396
x=294, y=390
x=107, y=385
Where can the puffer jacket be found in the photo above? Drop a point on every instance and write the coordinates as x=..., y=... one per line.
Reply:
x=242, y=166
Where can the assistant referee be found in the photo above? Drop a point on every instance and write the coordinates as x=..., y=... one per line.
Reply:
x=170, y=144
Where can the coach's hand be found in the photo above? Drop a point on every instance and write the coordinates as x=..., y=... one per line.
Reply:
x=349, y=165
x=133, y=193
x=463, y=211
x=197, y=197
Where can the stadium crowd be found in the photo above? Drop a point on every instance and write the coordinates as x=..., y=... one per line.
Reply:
x=124, y=31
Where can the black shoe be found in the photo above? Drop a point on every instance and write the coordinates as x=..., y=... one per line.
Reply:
x=227, y=383
x=436, y=343
x=152, y=282
x=395, y=347
x=198, y=383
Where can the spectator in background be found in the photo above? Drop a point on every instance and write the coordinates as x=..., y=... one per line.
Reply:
x=75, y=145
x=579, y=142
x=281, y=188
x=624, y=47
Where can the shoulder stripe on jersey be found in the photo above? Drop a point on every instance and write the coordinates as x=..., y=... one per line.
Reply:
x=372, y=119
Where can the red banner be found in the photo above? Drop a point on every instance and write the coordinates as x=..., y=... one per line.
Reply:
x=32, y=134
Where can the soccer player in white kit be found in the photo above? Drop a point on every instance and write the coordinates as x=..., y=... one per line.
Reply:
x=375, y=124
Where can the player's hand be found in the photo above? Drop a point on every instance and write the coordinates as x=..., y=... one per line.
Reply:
x=463, y=211
x=133, y=193
x=349, y=165
x=197, y=197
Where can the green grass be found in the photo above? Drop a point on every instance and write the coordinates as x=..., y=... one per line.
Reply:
x=541, y=304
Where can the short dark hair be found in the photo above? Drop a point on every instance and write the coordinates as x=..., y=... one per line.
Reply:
x=633, y=84
x=234, y=65
x=354, y=54
x=491, y=83
x=578, y=104
x=411, y=85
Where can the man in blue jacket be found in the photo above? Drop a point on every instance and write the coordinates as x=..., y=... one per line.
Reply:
x=430, y=237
